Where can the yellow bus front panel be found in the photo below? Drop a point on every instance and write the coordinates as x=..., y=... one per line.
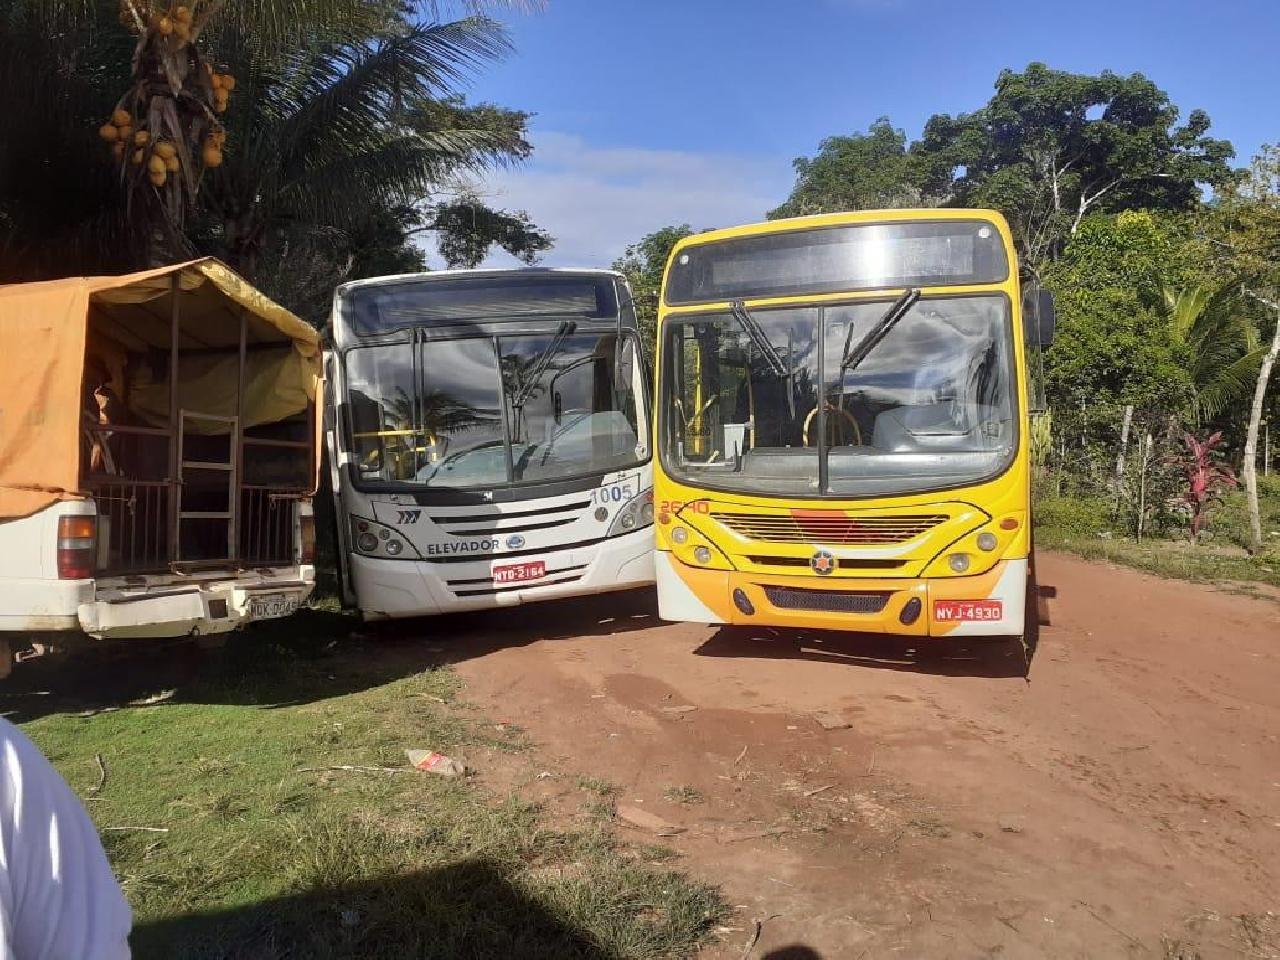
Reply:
x=762, y=406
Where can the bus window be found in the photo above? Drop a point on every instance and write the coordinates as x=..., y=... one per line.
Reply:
x=728, y=401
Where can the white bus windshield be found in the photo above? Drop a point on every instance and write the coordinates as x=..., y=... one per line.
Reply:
x=489, y=411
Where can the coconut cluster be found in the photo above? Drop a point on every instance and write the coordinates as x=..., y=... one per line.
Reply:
x=161, y=156
x=223, y=84
x=176, y=96
x=168, y=21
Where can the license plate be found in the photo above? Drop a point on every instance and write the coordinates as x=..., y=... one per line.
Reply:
x=272, y=605
x=519, y=572
x=955, y=611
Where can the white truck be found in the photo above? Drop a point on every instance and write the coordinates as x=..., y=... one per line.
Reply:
x=129, y=509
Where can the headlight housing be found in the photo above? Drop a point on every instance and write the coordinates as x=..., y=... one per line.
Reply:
x=636, y=514
x=373, y=539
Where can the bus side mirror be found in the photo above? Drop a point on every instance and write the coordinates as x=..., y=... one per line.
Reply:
x=557, y=406
x=1039, y=316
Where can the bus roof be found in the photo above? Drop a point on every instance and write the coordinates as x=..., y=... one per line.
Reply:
x=447, y=299
x=477, y=273
x=840, y=253
x=848, y=217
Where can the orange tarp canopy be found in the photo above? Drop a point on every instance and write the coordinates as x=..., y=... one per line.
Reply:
x=44, y=333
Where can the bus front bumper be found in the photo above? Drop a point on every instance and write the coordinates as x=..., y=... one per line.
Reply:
x=991, y=604
x=418, y=588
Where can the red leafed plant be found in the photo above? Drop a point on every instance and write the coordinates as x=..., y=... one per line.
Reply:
x=1206, y=475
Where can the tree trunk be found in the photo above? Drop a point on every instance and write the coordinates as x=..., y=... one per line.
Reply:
x=1251, y=438
x=1124, y=446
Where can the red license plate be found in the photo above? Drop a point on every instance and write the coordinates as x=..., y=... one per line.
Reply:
x=519, y=572
x=955, y=611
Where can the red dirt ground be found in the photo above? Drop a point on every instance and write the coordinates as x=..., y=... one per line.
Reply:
x=1123, y=802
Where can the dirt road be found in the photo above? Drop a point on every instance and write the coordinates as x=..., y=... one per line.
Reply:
x=1125, y=801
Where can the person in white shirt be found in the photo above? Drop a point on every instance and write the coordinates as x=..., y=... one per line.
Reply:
x=58, y=898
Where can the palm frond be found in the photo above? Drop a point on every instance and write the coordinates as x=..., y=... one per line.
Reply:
x=1185, y=309
x=1229, y=383
x=402, y=170
x=351, y=89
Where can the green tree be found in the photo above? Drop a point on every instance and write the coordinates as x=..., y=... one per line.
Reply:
x=1113, y=345
x=344, y=133
x=862, y=171
x=1051, y=148
x=328, y=133
x=1244, y=228
x=1218, y=344
x=643, y=264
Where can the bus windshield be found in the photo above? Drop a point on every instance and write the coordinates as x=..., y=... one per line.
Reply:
x=490, y=411
x=929, y=405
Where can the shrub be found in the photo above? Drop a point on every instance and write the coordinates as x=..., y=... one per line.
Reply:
x=1068, y=517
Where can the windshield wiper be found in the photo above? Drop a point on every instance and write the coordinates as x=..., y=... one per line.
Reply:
x=540, y=365
x=756, y=335
x=855, y=354
x=752, y=328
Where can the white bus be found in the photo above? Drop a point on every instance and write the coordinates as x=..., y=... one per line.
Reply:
x=489, y=440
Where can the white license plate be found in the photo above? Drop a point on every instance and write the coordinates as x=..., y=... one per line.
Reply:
x=974, y=611
x=519, y=572
x=270, y=606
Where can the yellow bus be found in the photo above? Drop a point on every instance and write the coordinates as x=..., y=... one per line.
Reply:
x=843, y=425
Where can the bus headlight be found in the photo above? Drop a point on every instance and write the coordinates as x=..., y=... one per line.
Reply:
x=959, y=562
x=680, y=535
x=377, y=540
x=987, y=541
x=635, y=513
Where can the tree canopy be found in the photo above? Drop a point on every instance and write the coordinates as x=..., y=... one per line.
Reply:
x=1048, y=149
x=643, y=263
x=860, y=171
x=345, y=139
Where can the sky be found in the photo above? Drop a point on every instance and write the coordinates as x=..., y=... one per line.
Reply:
x=659, y=112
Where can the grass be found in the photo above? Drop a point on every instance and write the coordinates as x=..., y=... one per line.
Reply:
x=683, y=794
x=1084, y=526
x=600, y=787
x=265, y=860
x=1173, y=559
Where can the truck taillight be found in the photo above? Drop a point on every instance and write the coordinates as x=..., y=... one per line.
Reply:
x=307, y=538
x=77, y=547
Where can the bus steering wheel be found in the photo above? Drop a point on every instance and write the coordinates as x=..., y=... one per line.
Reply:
x=808, y=421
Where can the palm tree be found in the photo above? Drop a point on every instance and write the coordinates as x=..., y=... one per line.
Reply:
x=344, y=114
x=1220, y=345
x=328, y=132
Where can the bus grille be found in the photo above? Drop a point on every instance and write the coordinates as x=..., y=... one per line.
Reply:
x=813, y=526
x=829, y=601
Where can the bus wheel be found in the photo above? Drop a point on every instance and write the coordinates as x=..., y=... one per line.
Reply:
x=1033, y=614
